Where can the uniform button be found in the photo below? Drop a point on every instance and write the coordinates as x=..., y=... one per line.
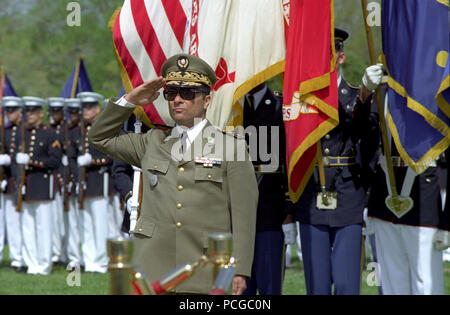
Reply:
x=428, y=180
x=156, y=166
x=180, y=187
x=179, y=205
x=327, y=136
x=140, y=230
x=179, y=224
x=327, y=151
x=181, y=169
x=209, y=176
x=31, y=154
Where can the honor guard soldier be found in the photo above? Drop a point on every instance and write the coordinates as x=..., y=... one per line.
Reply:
x=263, y=119
x=39, y=156
x=12, y=118
x=191, y=186
x=409, y=242
x=95, y=188
x=331, y=220
x=72, y=216
x=55, y=108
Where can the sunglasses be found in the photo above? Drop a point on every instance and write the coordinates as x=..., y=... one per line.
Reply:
x=185, y=93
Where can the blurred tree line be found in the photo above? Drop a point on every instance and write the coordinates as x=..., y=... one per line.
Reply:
x=39, y=50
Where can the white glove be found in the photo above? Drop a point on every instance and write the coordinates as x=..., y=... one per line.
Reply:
x=372, y=76
x=290, y=233
x=129, y=205
x=22, y=158
x=441, y=240
x=5, y=160
x=65, y=160
x=84, y=160
x=4, y=184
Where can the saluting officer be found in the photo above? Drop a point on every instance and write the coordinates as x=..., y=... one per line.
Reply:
x=192, y=187
x=97, y=188
x=55, y=107
x=263, y=121
x=72, y=216
x=331, y=230
x=40, y=153
x=13, y=108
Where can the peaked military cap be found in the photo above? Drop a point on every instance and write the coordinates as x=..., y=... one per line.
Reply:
x=339, y=37
x=90, y=98
x=187, y=70
x=12, y=101
x=55, y=103
x=32, y=102
x=73, y=104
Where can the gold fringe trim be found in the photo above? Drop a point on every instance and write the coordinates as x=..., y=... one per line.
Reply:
x=432, y=154
x=440, y=100
x=412, y=104
x=237, y=113
x=309, y=141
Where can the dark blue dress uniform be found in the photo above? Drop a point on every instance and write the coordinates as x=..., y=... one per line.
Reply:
x=98, y=190
x=331, y=239
x=427, y=209
x=11, y=139
x=267, y=265
x=100, y=164
x=44, y=151
x=55, y=106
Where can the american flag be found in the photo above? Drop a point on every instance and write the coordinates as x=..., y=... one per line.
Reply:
x=145, y=34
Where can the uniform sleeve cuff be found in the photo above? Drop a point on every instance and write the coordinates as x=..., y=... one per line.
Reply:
x=124, y=103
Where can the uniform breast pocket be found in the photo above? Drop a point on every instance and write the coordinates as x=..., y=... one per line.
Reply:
x=155, y=169
x=212, y=175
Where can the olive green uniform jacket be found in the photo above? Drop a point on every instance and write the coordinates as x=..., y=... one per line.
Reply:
x=184, y=200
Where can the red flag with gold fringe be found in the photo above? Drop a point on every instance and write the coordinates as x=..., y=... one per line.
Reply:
x=310, y=101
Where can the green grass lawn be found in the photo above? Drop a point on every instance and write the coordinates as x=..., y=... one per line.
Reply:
x=63, y=282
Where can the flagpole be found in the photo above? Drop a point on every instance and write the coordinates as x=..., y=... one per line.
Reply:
x=75, y=79
x=384, y=137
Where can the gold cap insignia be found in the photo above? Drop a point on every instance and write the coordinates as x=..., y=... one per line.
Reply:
x=183, y=63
